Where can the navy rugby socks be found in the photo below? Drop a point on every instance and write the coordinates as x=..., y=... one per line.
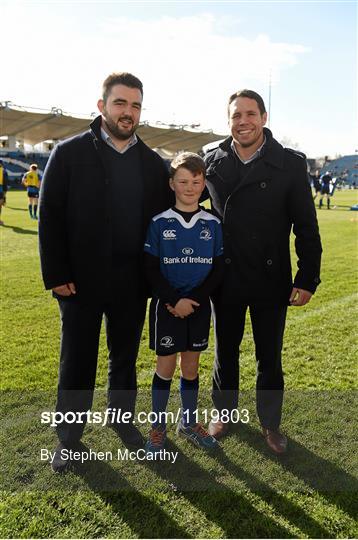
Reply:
x=160, y=397
x=189, y=400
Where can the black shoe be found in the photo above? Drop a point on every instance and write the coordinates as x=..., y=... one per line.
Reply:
x=61, y=461
x=129, y=434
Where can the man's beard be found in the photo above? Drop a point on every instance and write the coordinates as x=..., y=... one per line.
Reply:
x=118, y=133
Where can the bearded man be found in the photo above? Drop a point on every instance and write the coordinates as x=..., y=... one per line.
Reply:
x=99, y=192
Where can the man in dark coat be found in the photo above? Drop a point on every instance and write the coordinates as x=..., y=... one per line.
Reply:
x=99, y=192
x=260, y=190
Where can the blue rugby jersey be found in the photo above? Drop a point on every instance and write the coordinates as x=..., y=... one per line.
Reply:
x=186, y=250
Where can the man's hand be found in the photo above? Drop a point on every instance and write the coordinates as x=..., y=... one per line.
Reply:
x=65, y=290
x=300, y=297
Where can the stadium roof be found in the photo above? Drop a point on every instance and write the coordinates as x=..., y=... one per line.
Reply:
x=33, y=126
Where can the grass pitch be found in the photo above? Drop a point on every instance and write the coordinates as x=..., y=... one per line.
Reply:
x=240, y=492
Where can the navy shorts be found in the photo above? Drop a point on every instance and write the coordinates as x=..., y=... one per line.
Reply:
x=325, y=190
x=169, y=334
x=33, y=192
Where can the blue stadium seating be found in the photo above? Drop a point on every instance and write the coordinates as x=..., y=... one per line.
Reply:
x=17, y=163
x=346, y=166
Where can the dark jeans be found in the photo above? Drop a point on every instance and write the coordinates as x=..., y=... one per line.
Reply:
x=81, y=325
x=268, y=324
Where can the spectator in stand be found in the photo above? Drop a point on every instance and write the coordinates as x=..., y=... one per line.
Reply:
x=32, y=181
x=326, y=182
x=3, y=187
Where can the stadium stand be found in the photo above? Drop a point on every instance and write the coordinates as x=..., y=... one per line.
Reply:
x=32, y=126
x=18, y=163
x=345, y=167
x=35, y=126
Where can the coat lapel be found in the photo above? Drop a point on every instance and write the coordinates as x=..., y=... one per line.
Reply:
x=258, y=172
x=261, y=170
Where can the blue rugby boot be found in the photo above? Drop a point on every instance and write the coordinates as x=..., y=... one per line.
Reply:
x=156, y=441
x=198, y=436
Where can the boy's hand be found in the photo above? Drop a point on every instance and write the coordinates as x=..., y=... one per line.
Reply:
x=171, y=310
x=185, y=307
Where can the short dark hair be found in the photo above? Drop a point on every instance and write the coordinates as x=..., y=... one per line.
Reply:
x=190, y=161
x=251, y=94
x=127, y=79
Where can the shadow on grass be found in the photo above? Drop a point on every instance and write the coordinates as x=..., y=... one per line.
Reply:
x=283, y=506
x=230, y=510
x=19, y=230
x=143, y=516
x=15, y=208
x=331, y=482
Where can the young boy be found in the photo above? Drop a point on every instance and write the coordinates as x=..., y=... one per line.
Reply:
x=184, y=264
x=32, y=180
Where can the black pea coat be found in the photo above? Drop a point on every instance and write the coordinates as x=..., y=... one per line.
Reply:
x=74, y=226
x=258, y=215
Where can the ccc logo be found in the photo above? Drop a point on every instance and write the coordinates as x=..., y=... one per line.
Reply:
x=169, y=234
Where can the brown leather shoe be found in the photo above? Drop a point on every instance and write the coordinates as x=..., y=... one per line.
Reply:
x=276, y=441
x=218, y=429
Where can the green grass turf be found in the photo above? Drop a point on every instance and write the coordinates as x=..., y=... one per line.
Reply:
x=242, y=491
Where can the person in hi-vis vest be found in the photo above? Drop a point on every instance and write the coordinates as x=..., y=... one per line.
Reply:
x=32, y=180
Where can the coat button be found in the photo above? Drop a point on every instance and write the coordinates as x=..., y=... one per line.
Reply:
x=228, y=260
x=263, y=185
x=269, y=262
x=228, y=207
